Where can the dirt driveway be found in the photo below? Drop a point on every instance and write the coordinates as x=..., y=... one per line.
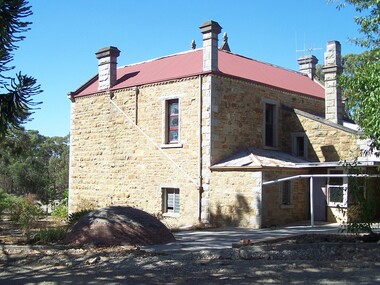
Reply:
x=282, y=262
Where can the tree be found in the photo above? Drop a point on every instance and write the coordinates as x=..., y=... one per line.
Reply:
x=360, y=81
x=17, y=93
x=361, y=85
x=34, y=164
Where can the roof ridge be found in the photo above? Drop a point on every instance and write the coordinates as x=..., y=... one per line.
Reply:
x=159, y=58
x=263, y=62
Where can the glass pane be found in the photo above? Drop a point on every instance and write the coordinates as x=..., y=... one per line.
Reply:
x=173, y=121
x=269, y=113
x=173, y=135
x=300, y=146
x=173, y=108
x=269, y=124
x=336, y=194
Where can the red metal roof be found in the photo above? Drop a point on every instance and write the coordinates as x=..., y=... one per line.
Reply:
x=190, y=63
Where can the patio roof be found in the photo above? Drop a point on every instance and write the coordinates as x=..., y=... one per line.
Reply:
x=253, y=158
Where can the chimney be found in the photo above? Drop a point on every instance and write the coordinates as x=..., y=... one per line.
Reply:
x=107, y=67
x=210, y=31
x=333, y=93
x=308, y=65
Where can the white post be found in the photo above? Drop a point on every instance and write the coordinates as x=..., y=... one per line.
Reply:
x=311, y=201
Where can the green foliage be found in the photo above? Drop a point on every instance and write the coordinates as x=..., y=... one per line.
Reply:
x=61, y=212
x=32, y=163
x=363, y=190
x=361, y=84
x=368, y=20
x=46, y=236
x=74, y=217
x=16, y=104
x=361, y=79
x=28, y=215
x=8, y=202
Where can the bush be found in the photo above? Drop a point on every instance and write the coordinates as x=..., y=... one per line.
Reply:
x=74, y=217
x=8, y=203
x=27, y=215
x=61, y=212
x=46, y=236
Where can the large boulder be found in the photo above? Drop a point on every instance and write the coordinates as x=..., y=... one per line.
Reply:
x=118, y=226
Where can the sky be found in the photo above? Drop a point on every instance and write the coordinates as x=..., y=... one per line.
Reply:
x=59, y=50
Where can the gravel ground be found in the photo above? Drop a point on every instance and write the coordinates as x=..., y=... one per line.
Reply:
x=285, y=262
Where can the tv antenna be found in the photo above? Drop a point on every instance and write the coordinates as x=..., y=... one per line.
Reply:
x=306, y=50
x=309, y=50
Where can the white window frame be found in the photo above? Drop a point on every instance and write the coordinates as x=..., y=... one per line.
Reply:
x=176, y=206
x=343, y=186
x=295, y=146
x=275, y=123
x=165, y=127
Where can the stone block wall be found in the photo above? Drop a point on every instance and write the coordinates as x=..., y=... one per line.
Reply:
x=113, y=163
x=238, y=119
x=235, y=198
x=329, y=142
x=276, y=214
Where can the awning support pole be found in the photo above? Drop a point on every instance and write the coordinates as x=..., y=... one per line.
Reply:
x=311, y=201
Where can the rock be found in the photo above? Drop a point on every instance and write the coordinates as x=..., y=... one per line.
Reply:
x=118, y=226
x=93, y=260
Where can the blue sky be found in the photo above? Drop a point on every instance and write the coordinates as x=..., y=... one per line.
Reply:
x=59, y=50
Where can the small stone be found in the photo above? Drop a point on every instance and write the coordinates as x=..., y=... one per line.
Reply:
x=93, y=260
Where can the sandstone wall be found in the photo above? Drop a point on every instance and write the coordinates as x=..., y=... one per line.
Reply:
x=276, y=214
x=329, y=143
x=238, y=118
x=113, y=163
x=235, y=198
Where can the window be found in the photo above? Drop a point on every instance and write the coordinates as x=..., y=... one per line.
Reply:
x=172, y=122
x=299, y=145
x=270, y=125
x=286, y=193
x=170, y=200
x=337, y=189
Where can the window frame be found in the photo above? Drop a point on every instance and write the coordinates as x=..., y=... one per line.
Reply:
x=176, y=206
x=274, y=128
x=343, y=186
x=166, y=125
x=295, y=137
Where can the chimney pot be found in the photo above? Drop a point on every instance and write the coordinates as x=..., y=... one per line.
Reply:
x=107, y=65
x=308, y=65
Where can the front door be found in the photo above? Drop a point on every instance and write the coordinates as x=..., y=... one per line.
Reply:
x=319, y=199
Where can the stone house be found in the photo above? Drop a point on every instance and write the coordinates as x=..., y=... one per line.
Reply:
x=207, y=136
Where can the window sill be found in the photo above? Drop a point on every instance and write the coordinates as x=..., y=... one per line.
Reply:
x=284, y=206
x=172, y=215
x=270, y=147
x=337, y=205
x=173, y=145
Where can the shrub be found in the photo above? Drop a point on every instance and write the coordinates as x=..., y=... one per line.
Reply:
x=74, y=217
x=8, y=203
x=46, y=236
x=61, y=212
x=28, y=215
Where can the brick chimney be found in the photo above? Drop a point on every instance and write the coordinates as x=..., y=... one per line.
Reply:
x=308, y=65
x=107, y=62
x=333, y=94
x=210, y=31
